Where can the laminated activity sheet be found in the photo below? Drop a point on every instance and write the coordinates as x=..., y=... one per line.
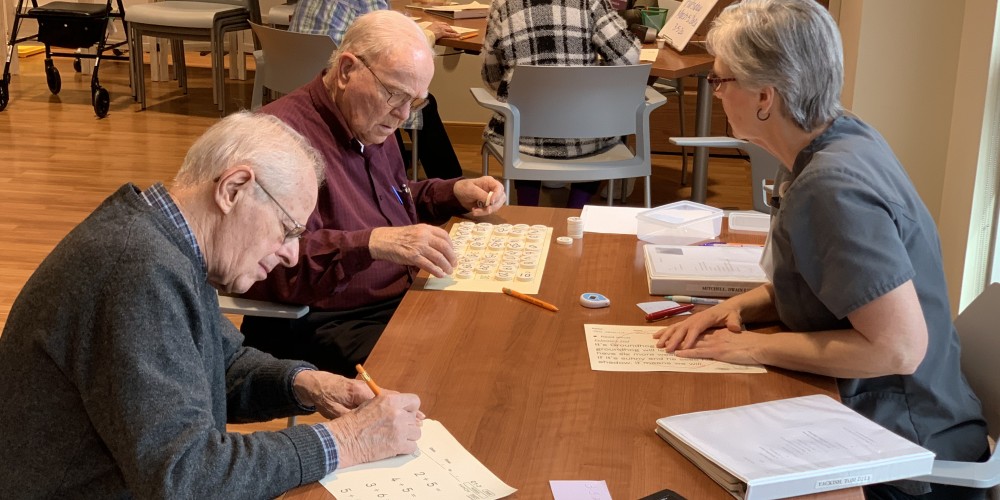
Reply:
x=440, y=469
x=491, y=257
x=633, y=349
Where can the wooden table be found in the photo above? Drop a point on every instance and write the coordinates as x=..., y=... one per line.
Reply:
x=512, y=381
x=669, y=64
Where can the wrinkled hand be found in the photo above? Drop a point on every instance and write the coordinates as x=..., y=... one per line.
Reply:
x=332, y=395
x=427, y=247
x=380, y=428
x=441, y=30
x=684, y=334
x=473, y=193
x=724, y=345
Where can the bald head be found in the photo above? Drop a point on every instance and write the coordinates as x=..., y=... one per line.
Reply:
x=384, y=57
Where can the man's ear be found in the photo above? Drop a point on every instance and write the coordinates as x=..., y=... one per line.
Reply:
x=234, y=184
x=345, y=67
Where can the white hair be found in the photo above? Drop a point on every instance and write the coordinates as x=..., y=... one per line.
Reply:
x=376, y=34
x=791, y=45
x=275, y=151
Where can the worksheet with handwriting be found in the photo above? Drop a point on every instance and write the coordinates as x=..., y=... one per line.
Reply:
x=440, y=469
x=633, y=349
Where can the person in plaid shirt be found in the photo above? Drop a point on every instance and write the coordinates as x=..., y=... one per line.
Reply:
x=332, y=18
x=553, y=33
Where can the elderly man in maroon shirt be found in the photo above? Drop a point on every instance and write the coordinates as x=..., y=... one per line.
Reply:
x=371, y=231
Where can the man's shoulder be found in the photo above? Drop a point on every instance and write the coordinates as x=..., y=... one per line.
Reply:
x=298, y=109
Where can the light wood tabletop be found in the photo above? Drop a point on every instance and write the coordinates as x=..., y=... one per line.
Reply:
x=512, y=381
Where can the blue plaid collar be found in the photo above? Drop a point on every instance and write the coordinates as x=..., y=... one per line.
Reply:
x=158, y=197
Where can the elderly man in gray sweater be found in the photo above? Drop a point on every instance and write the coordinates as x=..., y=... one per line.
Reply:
x=118, y=373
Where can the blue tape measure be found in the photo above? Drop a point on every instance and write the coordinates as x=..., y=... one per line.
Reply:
x=594, y=301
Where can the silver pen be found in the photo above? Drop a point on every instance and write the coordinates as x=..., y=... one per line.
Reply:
x=694, y=300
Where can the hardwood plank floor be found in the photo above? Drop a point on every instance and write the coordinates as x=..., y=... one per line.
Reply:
x=58, y=161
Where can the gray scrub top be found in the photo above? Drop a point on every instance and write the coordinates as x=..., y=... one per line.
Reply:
x=850, y=227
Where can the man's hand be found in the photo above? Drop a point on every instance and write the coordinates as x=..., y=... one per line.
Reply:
x=332, y=395
x=441, y=30
x=383, y=427
x=427, y=247
x=473, y=194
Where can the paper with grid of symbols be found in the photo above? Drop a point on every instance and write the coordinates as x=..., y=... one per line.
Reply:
x=440, y=469
x=491, y=257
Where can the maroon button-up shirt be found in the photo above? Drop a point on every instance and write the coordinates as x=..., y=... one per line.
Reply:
x=363, y=191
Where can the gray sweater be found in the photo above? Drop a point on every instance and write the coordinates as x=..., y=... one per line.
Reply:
x=118, y=375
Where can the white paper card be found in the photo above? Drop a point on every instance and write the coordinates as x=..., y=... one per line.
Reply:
x=580, y=490
x=615, y=348
x=683, y=23
x=648, y=55
x=610, y=220
x=440, y=469
x=659, y=305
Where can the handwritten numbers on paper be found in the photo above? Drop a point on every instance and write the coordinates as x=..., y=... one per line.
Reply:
x=683, y=23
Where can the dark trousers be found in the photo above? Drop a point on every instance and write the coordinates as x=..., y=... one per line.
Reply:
x=334, y=341
x=434, y=149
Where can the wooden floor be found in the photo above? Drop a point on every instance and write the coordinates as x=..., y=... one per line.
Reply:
x=58, y=161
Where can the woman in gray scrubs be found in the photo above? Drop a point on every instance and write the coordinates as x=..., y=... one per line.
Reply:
x=853, y=254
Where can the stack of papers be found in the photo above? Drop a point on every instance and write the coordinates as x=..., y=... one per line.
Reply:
x=464, y=11
x=458, y=29
x=792, y=447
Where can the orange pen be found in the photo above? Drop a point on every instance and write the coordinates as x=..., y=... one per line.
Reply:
x=468, y=35
x=368, y=380
x=530, y=300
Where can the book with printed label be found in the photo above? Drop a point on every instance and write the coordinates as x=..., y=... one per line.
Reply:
x=792, y=447
x=703, y=271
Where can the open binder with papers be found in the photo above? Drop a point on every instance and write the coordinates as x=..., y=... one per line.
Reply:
x=792, y=447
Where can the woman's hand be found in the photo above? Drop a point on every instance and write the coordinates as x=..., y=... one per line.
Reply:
x=723, y=345
x=684, y=334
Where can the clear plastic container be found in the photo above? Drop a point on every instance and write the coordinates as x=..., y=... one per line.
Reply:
x=680, y=223
x=749, y=222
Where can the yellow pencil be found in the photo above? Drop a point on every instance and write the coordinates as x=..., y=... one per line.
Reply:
x=468, y=35
x=368, y=380
x=530, y=300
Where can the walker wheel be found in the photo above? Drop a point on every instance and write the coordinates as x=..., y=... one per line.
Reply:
x=52, y=77
x=4, y=95
x=102, y=101
x=78, y=65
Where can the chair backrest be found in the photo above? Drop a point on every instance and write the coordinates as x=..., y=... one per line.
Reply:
x=570, y=102
x=292, y=59
x=977, y=329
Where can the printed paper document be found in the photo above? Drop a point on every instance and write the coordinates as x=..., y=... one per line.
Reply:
x=440, y=469
x=633, y=349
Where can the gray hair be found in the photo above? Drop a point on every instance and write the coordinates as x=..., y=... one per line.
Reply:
x=791, y=45
x=275, y=151
x=376, y=34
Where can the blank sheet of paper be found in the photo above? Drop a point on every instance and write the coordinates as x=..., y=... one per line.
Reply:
x=580, y=490
x=633, y=349
x=440, y=469
x=610, y=220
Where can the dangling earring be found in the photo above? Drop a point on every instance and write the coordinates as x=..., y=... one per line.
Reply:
x=765, y=118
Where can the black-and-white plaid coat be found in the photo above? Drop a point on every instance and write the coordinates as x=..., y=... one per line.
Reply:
x=556, y=33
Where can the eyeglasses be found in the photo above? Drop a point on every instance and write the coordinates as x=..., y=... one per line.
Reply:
x=717, y=82
x=397, y=99
x=291, y=233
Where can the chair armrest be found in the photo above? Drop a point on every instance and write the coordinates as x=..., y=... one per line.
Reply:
x=511, y=125
x=968, y=474
x=486, y=100
x=708, y=142
x=654, y=98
